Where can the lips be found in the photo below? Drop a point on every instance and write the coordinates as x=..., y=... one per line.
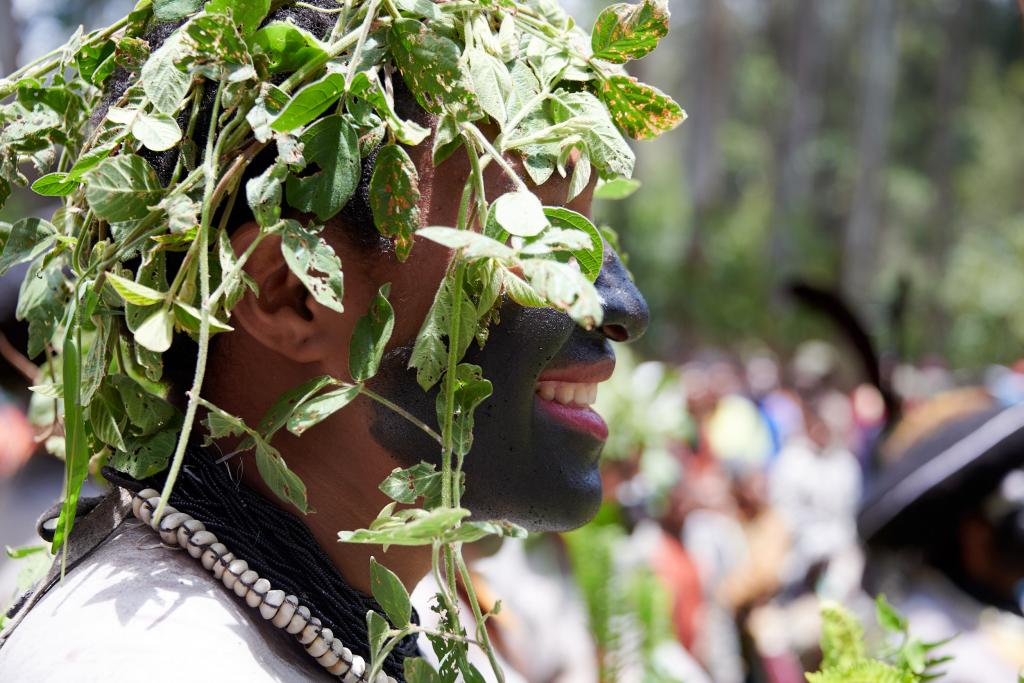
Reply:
x=567, y=394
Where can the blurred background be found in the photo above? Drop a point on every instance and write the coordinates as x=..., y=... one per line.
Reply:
x=832, y=246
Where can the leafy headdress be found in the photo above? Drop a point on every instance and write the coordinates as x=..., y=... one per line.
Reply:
x=226, y=86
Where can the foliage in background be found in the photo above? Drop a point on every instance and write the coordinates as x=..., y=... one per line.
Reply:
x=103, y=308
x=901, y=659
x=627, y=605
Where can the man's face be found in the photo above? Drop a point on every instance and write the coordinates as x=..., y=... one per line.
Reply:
x=536, y=440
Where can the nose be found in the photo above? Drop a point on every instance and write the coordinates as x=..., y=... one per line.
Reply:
x=625, y=310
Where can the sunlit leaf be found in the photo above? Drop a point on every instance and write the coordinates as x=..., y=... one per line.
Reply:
x=394, y=198
x=122, y=188
x=314, y=262
x=316, y=410
x=310, y=102
x=332, y=171
x=431, y=67
x=625, y=31
x=641, y=110
x=390, y=593
x=287, y=46
x=371, y=336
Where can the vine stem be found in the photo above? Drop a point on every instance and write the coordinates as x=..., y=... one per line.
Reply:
x=481, y=627
x=489, y=149
x=401, y=411
x=210, y=163
x=30, y=70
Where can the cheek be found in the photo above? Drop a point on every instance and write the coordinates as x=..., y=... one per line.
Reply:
x=413, y=285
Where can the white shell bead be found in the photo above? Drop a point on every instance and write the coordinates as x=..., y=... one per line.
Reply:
x=199, y=542
x=286, y=612
x=338, y=668
x=168, y=510
x=212, y=554
x=245, y=581
x=310, y=632
x=222, y=564
x=391, y=680
x=187, y=529
x=328, y=659
x=234, y=570
x=271, y=603
x=140, y=498
x=169, y=527
x=358, y=666
x=257, y=591
x=321, y=645
x=298, y=621
x=147, y=508
x=381, y=677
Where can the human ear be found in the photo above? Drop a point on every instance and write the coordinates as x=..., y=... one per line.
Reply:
x=284, y=317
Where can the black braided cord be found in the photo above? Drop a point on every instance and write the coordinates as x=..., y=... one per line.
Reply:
x=275, y=544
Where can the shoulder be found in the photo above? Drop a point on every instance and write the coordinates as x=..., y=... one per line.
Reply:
x=136, y=607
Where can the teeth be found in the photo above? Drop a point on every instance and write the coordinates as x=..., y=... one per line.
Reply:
x=568, y=393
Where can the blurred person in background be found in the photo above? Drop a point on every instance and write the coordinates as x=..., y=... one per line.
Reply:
x=944, y=527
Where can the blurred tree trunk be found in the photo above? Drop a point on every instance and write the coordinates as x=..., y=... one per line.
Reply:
x=710, y=66
x=942, y=161
x=861, y=240
x=804, y=52
x=10, y=41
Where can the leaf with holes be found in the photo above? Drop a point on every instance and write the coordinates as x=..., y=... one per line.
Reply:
x=623, y=31
x=431, y=66
x=314, y=262
x=371, y=336
x=332, y=154
x=641, y=110
x=394, y=198
x=318, y=409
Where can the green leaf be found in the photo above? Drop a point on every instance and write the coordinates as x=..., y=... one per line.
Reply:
x=641, y=110
x=248, y=14
x=623, y=32
x=419, y=481
x=391, y=594
x=842, y=638
x=163, y=82
x=135, y=293
x=371, y=90
x=24, y=551
x=520, y=213
x=285, y=405
x=182, y=213
x=287, y=46
x=491, y=81
x=41, y=301
x=316, y=410
x=269, y=104
x=104, y=414
x=616, y=188
x=566, y=289
x=586, y=116
x=145, y=456
x=591, y=259
x=158, y=132
x=310, y=102
x=431, y=66
x=313, y=261
x=418, y=670
x=54, y=185
x=471, y=389
x=189, y=318
x=29, y=238
x=415, y=528
x=281, y=480
x=157, y=331
x=122, y=188
x=394, y=198
x=371, y=336
x=172, y=10
x=147, y=412
x=887, y=616
x=473, y=244
x=264, y=195
x=76, y=447
x=377, y=634
x=430, y=353
x=332, y=148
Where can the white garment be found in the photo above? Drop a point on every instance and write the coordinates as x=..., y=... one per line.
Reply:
x=136, y=610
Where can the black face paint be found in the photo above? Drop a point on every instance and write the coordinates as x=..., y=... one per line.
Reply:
x=524, y=466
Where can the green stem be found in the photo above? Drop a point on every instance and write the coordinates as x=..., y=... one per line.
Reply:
x=210, y=164
x=30, y=70
x=401, y=411
x=481, y=626
x=489, y=149
x=364, y=31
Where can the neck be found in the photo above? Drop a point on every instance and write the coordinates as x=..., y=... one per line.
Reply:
x=341, y=471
